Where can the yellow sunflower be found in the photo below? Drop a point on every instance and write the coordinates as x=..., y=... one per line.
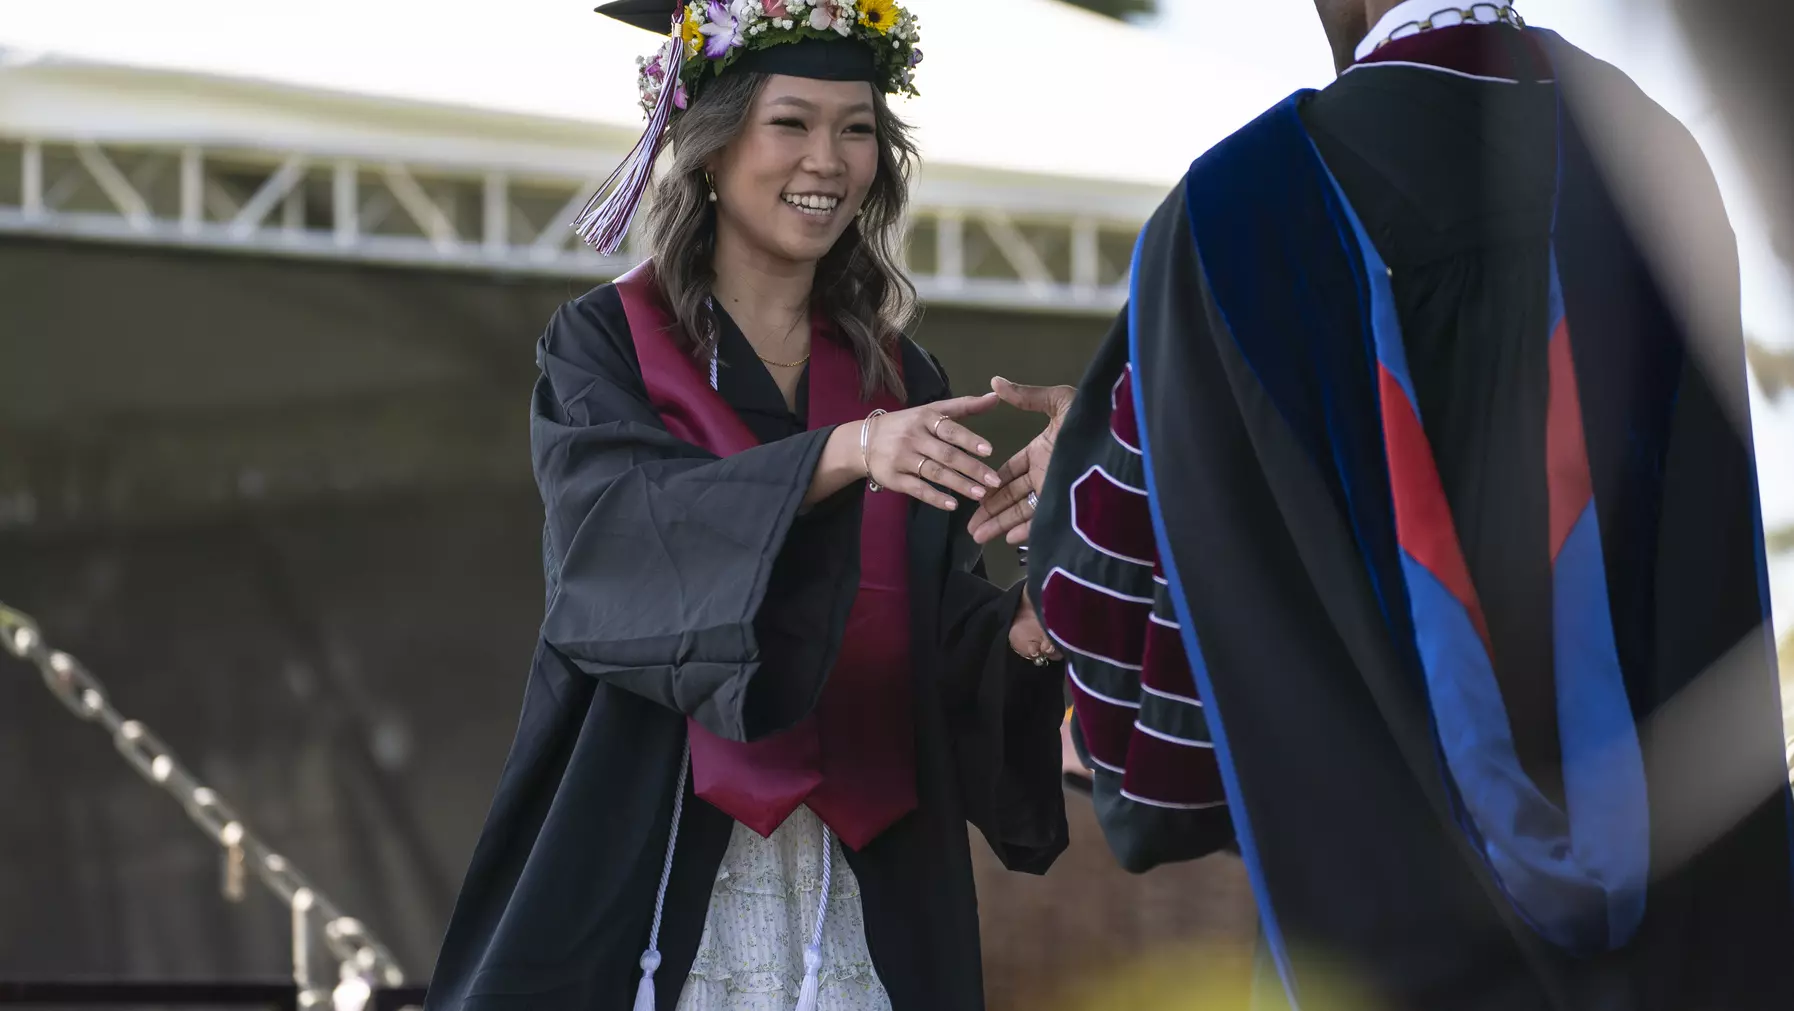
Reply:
x=878, y=15
x=690, y=31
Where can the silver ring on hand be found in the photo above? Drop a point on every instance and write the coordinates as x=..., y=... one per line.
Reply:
x=1040, y=659
x=1033, y=501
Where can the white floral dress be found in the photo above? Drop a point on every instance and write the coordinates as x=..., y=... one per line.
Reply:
x=762, y=913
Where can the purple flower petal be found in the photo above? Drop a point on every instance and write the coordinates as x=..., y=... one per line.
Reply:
x=722, y=32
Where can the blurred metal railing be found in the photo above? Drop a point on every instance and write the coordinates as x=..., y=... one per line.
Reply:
x=363, y=962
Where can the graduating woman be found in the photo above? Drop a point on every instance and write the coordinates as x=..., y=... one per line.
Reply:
x=772, y=687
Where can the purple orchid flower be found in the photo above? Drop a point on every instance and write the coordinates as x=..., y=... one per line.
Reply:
x=915, y=58
x=722, y=30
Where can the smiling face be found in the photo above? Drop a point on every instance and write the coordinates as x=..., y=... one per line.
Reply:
x=792, y=181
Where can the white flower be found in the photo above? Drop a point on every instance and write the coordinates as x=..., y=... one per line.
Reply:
x=819, y=19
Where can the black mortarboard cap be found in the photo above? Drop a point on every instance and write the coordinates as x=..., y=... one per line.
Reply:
x=819, y=59
x=650, y=15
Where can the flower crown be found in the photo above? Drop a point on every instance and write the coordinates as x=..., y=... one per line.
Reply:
x=720, y=33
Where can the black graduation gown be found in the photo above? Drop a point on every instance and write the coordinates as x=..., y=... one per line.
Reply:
x=683, y=585
x=1264, y=465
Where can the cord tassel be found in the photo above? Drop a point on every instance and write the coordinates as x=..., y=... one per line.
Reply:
x=810, y=993
x=644, y=991
x=606, y=217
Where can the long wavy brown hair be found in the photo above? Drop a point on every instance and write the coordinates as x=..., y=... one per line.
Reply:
x=860, y=285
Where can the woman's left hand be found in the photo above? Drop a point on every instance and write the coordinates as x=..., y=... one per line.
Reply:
x=1028, y=638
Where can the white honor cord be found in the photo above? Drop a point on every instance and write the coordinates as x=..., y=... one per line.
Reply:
x=644, y=993
x=810, y=993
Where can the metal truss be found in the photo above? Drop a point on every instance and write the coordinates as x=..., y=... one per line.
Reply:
x=961, y=249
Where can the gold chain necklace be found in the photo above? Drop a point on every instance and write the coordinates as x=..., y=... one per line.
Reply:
x=783, y=365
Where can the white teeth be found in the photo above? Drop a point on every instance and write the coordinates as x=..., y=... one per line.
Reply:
x=813, y=203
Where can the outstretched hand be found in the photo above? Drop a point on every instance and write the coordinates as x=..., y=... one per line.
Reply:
x=923, y=450
x=1009, y=511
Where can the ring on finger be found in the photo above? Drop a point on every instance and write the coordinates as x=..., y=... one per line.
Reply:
x=1033, y=501
x=935, y=429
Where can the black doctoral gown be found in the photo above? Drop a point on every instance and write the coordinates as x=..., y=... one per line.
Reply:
x=1245, y=380
x=683, y=585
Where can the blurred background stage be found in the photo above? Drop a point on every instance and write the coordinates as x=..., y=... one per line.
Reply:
x=270, y=279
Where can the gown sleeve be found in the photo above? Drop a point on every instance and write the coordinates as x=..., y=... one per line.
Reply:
x=1138, y=721
x=673, y=574
x=1004, y=713
x=1007, y=735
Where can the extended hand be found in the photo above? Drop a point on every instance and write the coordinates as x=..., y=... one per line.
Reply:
x=912, y=451
x=1011, y=510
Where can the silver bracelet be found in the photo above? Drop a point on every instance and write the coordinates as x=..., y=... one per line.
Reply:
x=865, y=447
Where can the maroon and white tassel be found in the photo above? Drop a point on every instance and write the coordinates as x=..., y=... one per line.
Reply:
x=605, y=220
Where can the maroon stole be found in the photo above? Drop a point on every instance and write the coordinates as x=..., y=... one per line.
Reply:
x=853, y=760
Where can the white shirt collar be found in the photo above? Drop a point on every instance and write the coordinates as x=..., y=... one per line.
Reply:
x=1445, y=13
